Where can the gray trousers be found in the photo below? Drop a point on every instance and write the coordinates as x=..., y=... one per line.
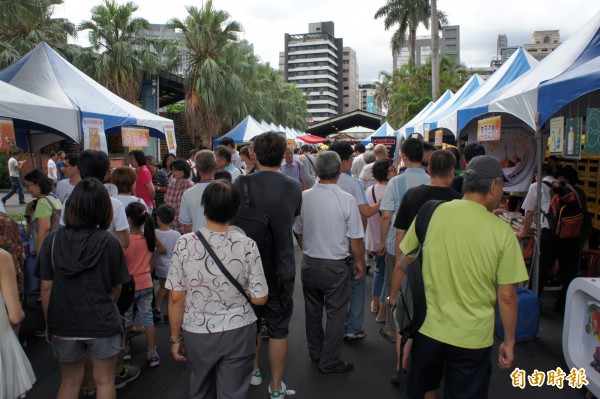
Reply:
x=221, y=363
x=325, y=284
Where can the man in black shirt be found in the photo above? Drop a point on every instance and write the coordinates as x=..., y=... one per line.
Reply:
x=471, y=151
x=441, y=172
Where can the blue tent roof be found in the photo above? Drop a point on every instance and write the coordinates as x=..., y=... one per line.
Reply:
x=409, y=128
x=579, y=79
x=384, y=130
x=518, y=63
x=44, y=72
x=244, y=131
x=448, y=111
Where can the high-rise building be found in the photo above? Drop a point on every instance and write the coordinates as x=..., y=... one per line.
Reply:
x=160, y=31
x=449, y=46
x=366, y=97
x=543, y=42
x=314, y=61
x=350, y=80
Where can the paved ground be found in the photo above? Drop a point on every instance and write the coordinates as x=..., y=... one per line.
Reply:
x=373, y=358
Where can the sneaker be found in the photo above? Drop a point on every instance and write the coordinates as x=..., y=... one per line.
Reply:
x=41, y=333
x=126, y=353
x=399, y=378
x=280, y=394
x=355, y=336
x=88, y=393
x=256, y=379
x=130, y=372
x=340, y=367
x=387, y=334
x=152, y=358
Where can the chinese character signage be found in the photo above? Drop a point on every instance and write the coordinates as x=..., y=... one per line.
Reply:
x=170, y=137
x=592, y=131
x=7, y=134
x=135, y=137
x=388, y=142
x=572, y=147
x=439, y=138
x=488, y=129
x=557, y=133
x=94, y=137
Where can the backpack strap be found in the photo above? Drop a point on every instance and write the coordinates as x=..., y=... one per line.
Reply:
x=246, y=190
x=424, y=217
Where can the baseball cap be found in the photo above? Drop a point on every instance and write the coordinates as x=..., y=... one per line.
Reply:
x=483, y=167
x=369, y=146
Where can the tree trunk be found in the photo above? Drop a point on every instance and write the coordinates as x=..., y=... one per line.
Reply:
x=435, y=53
x=412, y=48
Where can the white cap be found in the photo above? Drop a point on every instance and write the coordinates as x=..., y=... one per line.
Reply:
x=369, y=146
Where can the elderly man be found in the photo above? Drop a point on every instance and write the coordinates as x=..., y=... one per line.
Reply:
x=191, y=212
x=366, y=174
x=461, y=287
x=308, y=160
x=160, y=181
x=236, y=160
x=358, y=163
x=224, y=162
x=294, y=168
x=329, y=217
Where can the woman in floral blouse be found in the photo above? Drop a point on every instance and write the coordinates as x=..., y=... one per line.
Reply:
x=179, y=185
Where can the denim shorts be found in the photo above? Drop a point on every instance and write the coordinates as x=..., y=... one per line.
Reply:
x=143, y=300
x=72, y=350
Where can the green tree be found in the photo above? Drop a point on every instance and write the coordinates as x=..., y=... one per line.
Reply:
x=408, y=15
x=26, y=23
x=383, y=91
x=122, y=54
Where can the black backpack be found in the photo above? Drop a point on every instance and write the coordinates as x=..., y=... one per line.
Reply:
x=565, y=216
x=410, y=308
x=256, y=225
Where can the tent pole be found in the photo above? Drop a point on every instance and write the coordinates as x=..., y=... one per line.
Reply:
x=535, y=265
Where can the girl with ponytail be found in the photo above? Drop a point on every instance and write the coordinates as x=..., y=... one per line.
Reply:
x=140, y=262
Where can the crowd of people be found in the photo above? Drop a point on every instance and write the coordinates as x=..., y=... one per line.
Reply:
x=165, y=241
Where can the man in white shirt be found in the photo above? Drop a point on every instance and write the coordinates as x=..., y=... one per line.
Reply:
x=224, y=162
x=14, y=167
x=358, y=163
x=52, y=169
x=65, y=187
x=235, y=155
x=191, y=212
x=330, y=218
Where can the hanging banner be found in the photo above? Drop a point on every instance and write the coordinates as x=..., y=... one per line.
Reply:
x=592, y=132
x=388, y=142
x=557, y=141
x=169, y=131
x=94, y=137
x=135, y=137
x=488, y=129
x=439, y=138
x=572, y=148
x=7, y=134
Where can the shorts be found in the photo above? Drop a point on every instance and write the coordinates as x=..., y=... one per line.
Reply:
x=277, y=312
x=143, y=300
x=72, y=350
x=467, y=371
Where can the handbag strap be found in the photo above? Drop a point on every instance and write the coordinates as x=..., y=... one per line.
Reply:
x=374, y=198
x=225, y=272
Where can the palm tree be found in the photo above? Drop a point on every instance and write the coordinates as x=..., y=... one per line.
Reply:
x=408, y=15
x=122, y=53
x=26, y=23
x=383, y=91
x=213, y=88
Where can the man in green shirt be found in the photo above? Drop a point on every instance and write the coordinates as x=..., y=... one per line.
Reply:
x=470, y=258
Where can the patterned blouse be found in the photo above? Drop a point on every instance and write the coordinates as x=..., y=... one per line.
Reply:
x=212, y=303
x=173, y=197
x=11, y=242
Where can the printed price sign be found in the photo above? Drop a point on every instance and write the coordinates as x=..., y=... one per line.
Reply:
x=488, y=129
x=135, y=137
x=170, y=136
x=439, y=138
x=7, y=134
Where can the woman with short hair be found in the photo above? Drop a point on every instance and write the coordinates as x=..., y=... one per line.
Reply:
x=179, y=185
x=144, y=188
x=124, y=179
x=218, y=323
x=84, y=264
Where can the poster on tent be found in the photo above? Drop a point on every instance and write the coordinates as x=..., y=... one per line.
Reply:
x=388, y=142
x=169, y=131
x=488, y=129
x=94, y=137
x=439, y=138
x=572, y=147
x=516, y=153
x=557, y=128
x=135, y=137
x=592, y=132
x=7, y=134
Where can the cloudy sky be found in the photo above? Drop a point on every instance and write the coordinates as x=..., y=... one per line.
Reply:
x=266, y=21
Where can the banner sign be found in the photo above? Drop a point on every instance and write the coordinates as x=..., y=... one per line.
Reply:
x=135, y=137
x=572, y=147
x=439, y=138
x=7, y=134
x=557, y=141
x=388, y=142
x=169, y=131
x=94, y=137
x=488, y=129
x=592, y=131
